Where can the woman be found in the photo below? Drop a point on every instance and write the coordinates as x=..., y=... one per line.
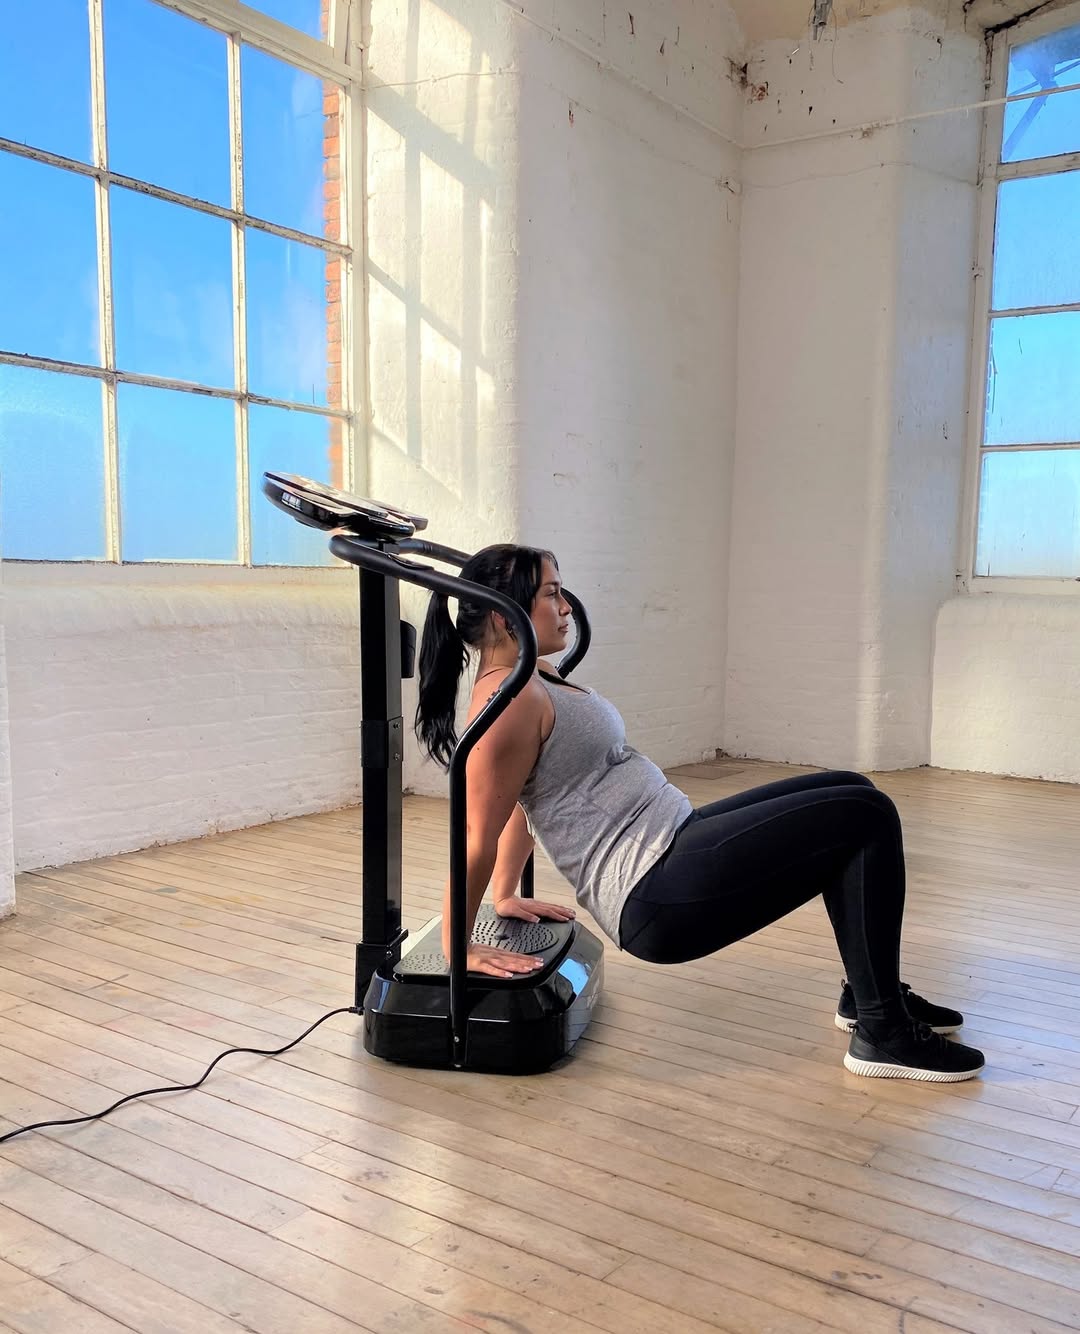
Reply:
x=666, y=882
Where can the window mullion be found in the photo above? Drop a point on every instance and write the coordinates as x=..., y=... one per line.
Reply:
x=1037, y=166
x=354, y=287
x=982, y=288
x=106, y=321
x=993, y=172
x=268, y=34
x=239, y=268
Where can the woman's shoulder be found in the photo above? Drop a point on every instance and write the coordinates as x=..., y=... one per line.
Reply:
x=531, y=702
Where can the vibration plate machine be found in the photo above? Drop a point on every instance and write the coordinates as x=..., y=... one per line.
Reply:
x=420, y=1009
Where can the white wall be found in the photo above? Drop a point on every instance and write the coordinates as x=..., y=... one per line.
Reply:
x=145, y=709
x=442, y=126
x=858, y=241
x=560, y=231
x=627, y=313
x=1007, y=686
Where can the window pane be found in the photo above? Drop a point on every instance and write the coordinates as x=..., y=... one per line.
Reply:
x=46, y=45
x=52, y=466
x=167, y=95
x=1029, y=514
x=287, y=320
x=1036, y=258
x=1043, y=126
x=177, y=475
x=307, y=15
x=172, y=290
x=291, y=148
x=1033, y=389
x=48, y=262
x=296, y=442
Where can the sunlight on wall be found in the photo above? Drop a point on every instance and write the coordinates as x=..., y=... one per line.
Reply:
x=441, y=167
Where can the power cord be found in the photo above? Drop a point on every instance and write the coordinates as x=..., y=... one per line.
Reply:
x=181, y=1088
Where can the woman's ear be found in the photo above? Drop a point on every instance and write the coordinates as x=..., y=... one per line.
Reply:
x=500, y=626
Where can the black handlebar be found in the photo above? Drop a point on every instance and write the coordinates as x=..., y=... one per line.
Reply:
x=358, y=552
x=379, y=538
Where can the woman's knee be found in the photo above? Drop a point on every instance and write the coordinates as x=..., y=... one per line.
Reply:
x=881, y=803
x=848, y=778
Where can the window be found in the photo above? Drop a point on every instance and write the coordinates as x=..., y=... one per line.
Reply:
x=174, y=270
x=1028, y=521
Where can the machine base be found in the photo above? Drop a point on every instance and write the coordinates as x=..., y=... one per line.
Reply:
x=518, y=1026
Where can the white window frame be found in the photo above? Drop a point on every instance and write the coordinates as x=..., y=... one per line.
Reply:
x=991, y=174
x=339, y=58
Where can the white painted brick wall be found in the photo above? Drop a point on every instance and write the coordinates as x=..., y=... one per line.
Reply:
x=627, y=310
x=146, y=714
x=1007, y=686
x=854, y=328
x=567, y=404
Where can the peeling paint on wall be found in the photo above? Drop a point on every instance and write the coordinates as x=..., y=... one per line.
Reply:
x=819, y=19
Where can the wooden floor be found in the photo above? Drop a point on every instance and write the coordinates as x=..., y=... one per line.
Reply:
x=704, y=1162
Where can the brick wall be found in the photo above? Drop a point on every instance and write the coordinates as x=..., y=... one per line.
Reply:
x=853, y=344
x=1007, y=686
x=553, y=267
x=147, y=713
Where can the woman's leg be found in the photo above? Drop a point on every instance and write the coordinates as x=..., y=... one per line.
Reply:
x=753, y=796
x=733, y=871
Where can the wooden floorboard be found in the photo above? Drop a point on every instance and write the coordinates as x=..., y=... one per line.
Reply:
x=704, y=1162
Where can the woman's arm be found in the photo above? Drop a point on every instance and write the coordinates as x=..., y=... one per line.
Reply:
x=496, y=772
x=515, y=848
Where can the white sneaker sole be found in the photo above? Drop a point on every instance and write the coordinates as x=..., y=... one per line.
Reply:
x=848, y=1026
x=886, y=1070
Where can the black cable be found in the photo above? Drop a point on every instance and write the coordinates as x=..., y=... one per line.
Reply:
x=180, y=1088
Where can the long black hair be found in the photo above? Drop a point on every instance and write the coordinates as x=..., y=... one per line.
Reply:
x=444, y=647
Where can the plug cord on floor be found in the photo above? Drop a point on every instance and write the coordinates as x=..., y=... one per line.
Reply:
x=180, y=1088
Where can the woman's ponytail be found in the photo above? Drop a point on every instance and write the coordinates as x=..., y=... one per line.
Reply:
x=443, y=656
x=444, y=647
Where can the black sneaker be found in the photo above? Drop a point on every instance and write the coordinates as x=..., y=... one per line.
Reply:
x=914, y=1052
x=938, y=1017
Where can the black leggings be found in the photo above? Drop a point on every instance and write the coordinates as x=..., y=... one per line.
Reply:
x=739, y=864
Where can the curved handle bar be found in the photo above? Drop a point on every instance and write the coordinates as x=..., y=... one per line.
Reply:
x=357, y=552
x=583, y=638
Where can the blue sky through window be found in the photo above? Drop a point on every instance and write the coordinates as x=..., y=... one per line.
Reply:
x=1029, y=498
x=46, y=45
x=167, y=123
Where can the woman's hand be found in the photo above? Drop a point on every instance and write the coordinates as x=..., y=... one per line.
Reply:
x=500, y=963
x=533, y=910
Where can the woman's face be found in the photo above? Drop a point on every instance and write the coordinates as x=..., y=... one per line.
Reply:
x=550, y=611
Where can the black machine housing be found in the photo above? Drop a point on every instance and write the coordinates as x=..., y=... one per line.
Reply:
x=419, y=1008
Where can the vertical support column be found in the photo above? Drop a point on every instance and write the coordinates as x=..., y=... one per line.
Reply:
x=381, y=761
x=106, y=316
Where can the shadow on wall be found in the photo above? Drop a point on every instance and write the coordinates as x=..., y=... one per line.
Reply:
x=440, y=260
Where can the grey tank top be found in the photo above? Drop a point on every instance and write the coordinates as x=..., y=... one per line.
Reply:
x=602, y=811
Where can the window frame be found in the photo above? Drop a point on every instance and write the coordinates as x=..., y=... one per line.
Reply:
x=992, y=171
x=338, y=58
